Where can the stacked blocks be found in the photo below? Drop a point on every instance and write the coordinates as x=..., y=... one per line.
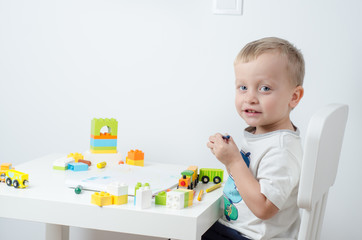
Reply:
x=135, y=157
x=180, y=198
x=119, y=193
x=101, y=199
x=104, y=142
x=62, y=163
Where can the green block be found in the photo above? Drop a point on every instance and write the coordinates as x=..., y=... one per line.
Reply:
x=103, y=148
x=60, y=168
x=160, y=198
x=99, y=123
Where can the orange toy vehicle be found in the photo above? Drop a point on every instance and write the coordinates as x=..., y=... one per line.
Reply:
x=3, y=168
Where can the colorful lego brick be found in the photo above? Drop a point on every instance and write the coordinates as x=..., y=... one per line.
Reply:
x=136, y=155
x=101, y=199
x=119, y=200
x=143, y=197
x=160, y=198
x=76, y=156
x=62, y=163
x=103, y=142
x=103, y=148
x=117, y=189
x=180, y=198
x=99, y=123
x=139, y=163
x=78, y=166
x=102, y=151
x=104, y=136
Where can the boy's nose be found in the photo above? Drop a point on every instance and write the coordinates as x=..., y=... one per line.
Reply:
x=251, y=98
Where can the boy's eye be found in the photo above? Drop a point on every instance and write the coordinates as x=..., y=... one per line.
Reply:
x=264, y=89
x=243, y=88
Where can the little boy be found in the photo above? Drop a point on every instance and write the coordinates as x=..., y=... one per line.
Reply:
x=260, y=195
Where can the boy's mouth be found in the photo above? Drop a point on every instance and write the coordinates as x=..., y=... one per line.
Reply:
x=250, y=111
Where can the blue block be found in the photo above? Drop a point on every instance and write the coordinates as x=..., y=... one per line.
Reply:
x=103, y=142
x=78, y=166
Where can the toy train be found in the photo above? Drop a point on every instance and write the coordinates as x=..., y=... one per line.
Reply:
x=190, y=178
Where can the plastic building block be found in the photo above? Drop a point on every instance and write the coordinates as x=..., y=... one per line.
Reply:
x=143, y=197
x=135, y=157
x=62, y=163
x=78, y=166
x=180, y=198
x=101, y=199
x=99, y=123
x=16, y=178
x=103, y=151
x=117, y=189
x=103, y=143
x=119, y=200
x=139, y=163
x=101, y=165
x=76, y=156
x=160, y=198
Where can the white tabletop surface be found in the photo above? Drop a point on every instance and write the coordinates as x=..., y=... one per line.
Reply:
x=49, y=200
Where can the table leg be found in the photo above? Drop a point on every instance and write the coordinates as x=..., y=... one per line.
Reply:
x=56, y=232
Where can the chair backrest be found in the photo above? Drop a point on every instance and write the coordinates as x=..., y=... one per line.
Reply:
x=322, y=149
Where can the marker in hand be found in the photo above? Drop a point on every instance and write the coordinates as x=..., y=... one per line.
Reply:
x=227, y=137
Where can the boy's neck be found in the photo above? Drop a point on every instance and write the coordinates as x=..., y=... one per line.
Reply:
x=271, y=128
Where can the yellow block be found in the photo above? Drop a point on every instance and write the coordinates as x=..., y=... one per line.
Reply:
x=76, y=156
x=135, y=162
x=119, y=200
x=103, y=151
x=101, y=199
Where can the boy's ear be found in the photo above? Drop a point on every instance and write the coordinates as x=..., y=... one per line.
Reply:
x=297, y=95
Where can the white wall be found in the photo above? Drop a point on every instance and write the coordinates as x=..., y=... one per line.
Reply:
x=164, y=70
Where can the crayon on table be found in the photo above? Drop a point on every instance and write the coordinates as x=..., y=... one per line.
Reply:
x=200, y=195
x=216, y=186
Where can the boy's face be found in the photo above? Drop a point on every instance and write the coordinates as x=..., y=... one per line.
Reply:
x=265, y=94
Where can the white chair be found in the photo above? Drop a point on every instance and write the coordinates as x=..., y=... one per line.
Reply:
x=322, y=149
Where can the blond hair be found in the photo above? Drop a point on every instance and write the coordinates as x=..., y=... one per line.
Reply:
x=296, y=65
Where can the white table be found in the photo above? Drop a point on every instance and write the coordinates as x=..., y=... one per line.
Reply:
x=48, y=200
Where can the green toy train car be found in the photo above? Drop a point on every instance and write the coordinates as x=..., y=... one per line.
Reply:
x=211, y=174
x=190, y=178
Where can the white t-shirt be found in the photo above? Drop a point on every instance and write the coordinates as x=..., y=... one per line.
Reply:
x=275, y=161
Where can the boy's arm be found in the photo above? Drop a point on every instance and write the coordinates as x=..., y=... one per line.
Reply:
x=228, y=153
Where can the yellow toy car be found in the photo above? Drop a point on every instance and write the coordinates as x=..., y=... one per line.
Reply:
x=16, y=178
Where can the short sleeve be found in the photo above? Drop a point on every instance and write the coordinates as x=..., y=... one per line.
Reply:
x=278, y=174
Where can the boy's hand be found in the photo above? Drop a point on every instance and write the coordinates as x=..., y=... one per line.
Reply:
x=225, y=150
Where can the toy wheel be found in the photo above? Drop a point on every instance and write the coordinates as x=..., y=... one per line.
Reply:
x=16, y=184
x=205, y=179
x=191, y=185
x=26, y=183
x=217, y=180
x=8, y=182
